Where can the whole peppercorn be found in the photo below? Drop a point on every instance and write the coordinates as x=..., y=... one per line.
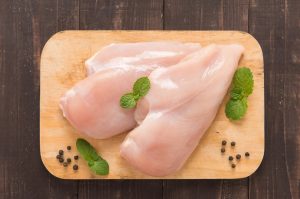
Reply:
x=69, y=148
x=230, y=158
x=61, y=152
x=222, y=150
x=61, y=160
x=247, y=154
x=238, y=156
x=232, y=143
x=224, y=142
x=233, y=166
x=76, y=157
x=69, y=160
x=58, y=157
x=65, y=164
x=75, y=167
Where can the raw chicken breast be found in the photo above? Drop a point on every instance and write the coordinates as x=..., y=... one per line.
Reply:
x=179, y=108
x=92, y=105
x=143, y=53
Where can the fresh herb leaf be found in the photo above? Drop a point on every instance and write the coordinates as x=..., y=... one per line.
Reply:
x=243, y=79
x=140, y=89
x=95, y=162
x=100, y=167
x=90, y=163
x=141, y=86
x=128, y=101
x=86, y=150
x=237, y=93
x=242, y=87
x=236, y=109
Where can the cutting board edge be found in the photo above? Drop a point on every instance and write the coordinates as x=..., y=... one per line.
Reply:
x=150, y=178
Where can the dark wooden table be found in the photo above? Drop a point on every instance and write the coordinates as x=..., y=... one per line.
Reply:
x=26, y=25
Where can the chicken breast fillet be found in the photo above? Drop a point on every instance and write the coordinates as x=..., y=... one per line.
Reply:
x=179, y=108
x=146, y=54
x=92, y=105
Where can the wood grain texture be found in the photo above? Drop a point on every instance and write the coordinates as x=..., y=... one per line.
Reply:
x=291, y=96
x=62, y=65
x=28, y=25
x=193, y=15
x=121, y=14
x=272, y=179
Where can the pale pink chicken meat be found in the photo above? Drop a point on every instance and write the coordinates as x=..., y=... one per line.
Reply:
x=179, y=108
x=92, y=105
x=148, y=54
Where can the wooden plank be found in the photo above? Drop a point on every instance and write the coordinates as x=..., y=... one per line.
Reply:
x=291, y=96
x=235, y=15
x=121, y=14
x=121, y=189
x=192, y=189
x=193, y=15
x=267, y=24
x=292, y=132
x=226, y=15
x=67, y=15
x=28, y=24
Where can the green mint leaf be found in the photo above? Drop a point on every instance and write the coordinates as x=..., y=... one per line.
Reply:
x=140, y=89
x=100, y=167
x=90, y=163
x=243, y=79
x=128, y=101
x=237, y=93
x=141, y=86
x=236, y=109
x=136, y=97
x=95, y=162
x=86, y=150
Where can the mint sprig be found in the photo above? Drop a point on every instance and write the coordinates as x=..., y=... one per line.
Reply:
x=128, y=101
x=243, y=79
x=100, y=167
x=140, y=88
x=242, y=87
x=95, y=162
x=236, y=109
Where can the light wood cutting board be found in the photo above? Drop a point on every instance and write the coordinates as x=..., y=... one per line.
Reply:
x=62, y=65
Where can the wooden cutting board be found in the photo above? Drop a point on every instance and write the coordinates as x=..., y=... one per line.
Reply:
x=62, y=65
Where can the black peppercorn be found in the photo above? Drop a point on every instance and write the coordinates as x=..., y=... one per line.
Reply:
x=58, y=157
x=76, y=157
x=224, y=142
x=247, y=154
x=61, y=152
x=230, y=158
x=65, y=164
x=61, y=160
x=238, y=156
x=222, y=150
x=69, y=160
x=75, y=167
x=69, y=148
x=232, y=143
x=233, y=166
